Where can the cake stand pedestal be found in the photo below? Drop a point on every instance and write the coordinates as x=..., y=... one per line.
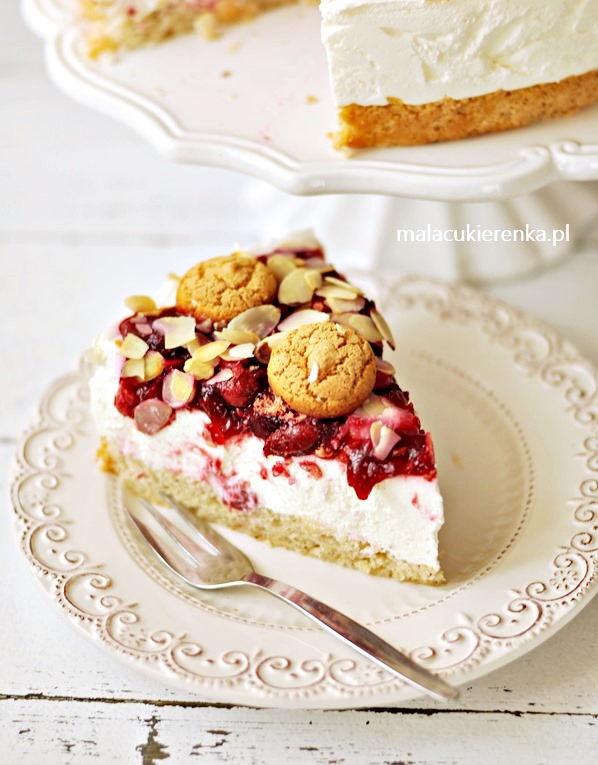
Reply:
x=257, y=101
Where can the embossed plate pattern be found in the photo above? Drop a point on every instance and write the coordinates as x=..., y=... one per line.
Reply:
x=514, y=411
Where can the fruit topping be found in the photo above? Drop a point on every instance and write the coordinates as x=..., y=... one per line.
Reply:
x=177, y=330
x=178, y=388
x=152, y=415
x=133, y=347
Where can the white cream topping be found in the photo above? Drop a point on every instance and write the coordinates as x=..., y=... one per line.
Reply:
x=401, y=515
x=422, y=51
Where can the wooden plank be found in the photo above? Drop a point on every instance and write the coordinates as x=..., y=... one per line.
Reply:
x=69, y=732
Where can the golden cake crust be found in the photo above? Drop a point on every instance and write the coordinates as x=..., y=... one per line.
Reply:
x=323, y=370
x=221, y=288
x=398, y=123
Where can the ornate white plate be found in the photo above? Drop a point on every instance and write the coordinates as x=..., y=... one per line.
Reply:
x=514, y=411
x=257, y=101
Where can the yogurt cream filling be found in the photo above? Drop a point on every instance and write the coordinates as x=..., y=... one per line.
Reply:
x=421, y=51
x=402, y=515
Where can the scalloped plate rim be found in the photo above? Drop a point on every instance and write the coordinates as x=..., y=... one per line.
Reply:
x=466, y=673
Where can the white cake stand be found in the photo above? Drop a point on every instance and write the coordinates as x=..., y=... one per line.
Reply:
x=257, y=101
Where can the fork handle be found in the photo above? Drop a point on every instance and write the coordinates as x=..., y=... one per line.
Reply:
x=358, y=637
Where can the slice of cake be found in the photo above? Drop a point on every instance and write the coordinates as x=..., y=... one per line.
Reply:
x=256, y=395
x=417, y=71
x=127, y=24
x=409, y=71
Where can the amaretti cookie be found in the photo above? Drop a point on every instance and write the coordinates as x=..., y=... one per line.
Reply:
x=282, y=419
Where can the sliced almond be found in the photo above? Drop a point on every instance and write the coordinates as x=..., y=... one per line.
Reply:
x=301, y=318
x=178, y=388
x=341, y=283
x=133, y=368
x=141, y=304
x=384, y=366
x=178, y=330
x=264, y=348
x=222, y=376
x=313, y=277
x=382, y=327
x=338, y=305
x=153, y=365
x=133, y=347
x=243, y=351
x=298, y=287
x=210, y=351
x=318, y=265
x=362, y=324
x=200, y=370
x=260, y=320
x=193, y=346
x=237, y=336
x=313, y=372
x=374, y=406
x=383, y=439
x=281, y=266
x=334, y=291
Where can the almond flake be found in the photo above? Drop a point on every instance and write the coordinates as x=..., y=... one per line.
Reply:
x=313, y=278
x=345, y=285
x=237, y=336
x=383, y=439
x=178, y=388
x=384, y=366
x=338, y=305
x=210, y=350
x=133, y=368
x=154, y=365
x=243, y=351
x=193, y=346
x=264, y=348
x=371, y=407
x=141, y=304
x=313, y=372
x=295, y=288
x=301, y=318
x=201, y=370
x=334, y=291
x=178, y=330
x=259, y=320
x=364, y=325
x=281, y=266
x=382, y=327
x=133, y=347
x=222, y=376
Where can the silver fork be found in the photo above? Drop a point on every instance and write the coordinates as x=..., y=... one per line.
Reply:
x=198, y=554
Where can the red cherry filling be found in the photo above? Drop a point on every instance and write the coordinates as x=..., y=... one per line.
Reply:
x=245, y=404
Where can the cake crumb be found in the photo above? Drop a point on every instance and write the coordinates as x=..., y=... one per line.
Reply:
x=311, y=100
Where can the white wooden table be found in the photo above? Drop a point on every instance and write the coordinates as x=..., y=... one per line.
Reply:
x=81, y=200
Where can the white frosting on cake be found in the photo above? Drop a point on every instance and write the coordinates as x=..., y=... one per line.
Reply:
x=402, y=515
x=422, y=51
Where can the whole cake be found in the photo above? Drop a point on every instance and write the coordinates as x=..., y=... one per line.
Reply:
x=256, y=394
x=410, y=71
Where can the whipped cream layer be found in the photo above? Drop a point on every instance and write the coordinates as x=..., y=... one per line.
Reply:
x=402, y=515
x=422, y=51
